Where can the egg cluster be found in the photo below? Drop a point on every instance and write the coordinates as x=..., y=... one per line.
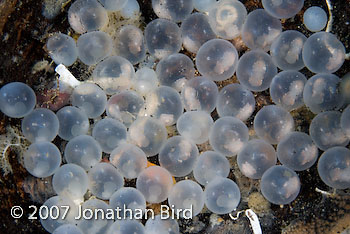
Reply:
x=138, y=109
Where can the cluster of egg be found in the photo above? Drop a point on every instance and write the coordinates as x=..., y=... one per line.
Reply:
x=140, y=105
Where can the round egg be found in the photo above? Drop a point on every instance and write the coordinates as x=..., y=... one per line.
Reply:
x=129, y=159
x=209, y=165
x=109, y=133
x=62, y=49
x=17, y=99
x=260, y=29
x=297, y=151
x=255, y=158
x=272, y=123
x=155, y=184
x=235, y=100
x=323, y=53
x=255, y=70
x=104, y=180
x=72, y=122
x=42, y=159
x=90, y=98
x=286, y=50
x=334, y=166
x=125, y=106
x=94, y=46
x=226, y=18
x=195, y=126
x=217, y=59
x=163, y=38
x=280, y=185
x=228, y=135
x=147, y=133
x=222, y=195
x=286, y=89
x=114, y=74
x=322, y=93
x=325, y=130
x=84, y=151
x=196, y=30
x=187, y=195
x=174, y=71
x=40, y=125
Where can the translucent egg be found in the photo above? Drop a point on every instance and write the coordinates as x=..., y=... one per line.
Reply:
x=260, y=29
x=110, y=133
x=203, y=5
x=283, y=9
x=286, y=89
x=325, y=130
x=129, y=159
x=93, y=47
x=62, y=49
x=163, y=38
x=40, y=125
x=235, y=100
x=104, y=180
x=195, y=125
x=89, y=98
x=17, y=99
x=55, y=213
x=71, y=181
x=125, y=106
x=196, y=30
x=345, y=87
x=87, y=15
x=114, y=74
x=200, y=93
x=160, y=225
x=255, y=70
x=131, y=44
x=189, y=195
x=209, y=165
x=128, y=198
x=131, y=9
x=126, y=226
x=175, y=70
x=297, y=151
x=113, y=5
x=217, y=59
x=145, y=81
x=334, y=167
x=178, y=156
x=164, y=103
x=72, y=122
x=272, y=123
x=174, y=10
x=345, y=121
x=149, y=134
x=323, y=53
x=228, y=135
x=286, y=50
x=222, y=195
x=42, y=159
x=315, y=19
x=155, y=184
x=280, y=185
x=321, y=93
x=255, y=158
x=84, y=151
x=94, y=220
x=67, y=229
x=226, y=18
